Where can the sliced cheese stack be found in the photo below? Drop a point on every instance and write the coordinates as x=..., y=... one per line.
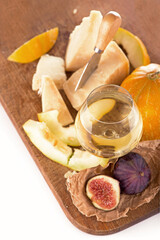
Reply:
x=51, y=66
x=112, y=69
x=82, y=41
x=52, y=100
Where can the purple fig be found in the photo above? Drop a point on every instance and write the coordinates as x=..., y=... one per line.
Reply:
x=132, y=172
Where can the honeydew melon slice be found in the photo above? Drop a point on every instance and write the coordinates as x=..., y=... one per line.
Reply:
x=46, y=142
x=83, y=159
x=101, y=107
x=65, y=134
x=54, y=149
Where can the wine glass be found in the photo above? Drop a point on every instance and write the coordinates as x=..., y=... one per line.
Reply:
x=109, y=124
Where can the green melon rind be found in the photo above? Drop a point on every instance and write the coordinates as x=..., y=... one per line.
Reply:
x=56, y=150
x=36, y=132
x=81, y=160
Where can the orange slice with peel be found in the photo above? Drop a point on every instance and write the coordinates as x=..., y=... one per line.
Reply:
x=35, y=47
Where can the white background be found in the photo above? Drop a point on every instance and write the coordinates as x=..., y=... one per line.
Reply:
x=28, y=209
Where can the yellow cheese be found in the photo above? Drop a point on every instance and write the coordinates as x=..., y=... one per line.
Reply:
x=82, y=41
x=112, y=69
x=51, y=66
x=52, y=100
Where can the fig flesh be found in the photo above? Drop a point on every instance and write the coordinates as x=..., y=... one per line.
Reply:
x=132, y=172
x=104, y=192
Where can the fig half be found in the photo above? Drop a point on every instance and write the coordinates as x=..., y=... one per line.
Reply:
x=104, y=192
x=132, y=172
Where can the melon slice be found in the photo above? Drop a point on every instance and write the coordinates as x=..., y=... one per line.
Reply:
x=101, y=107
x=83, y=159
x=53, y=148
x=35, y=47
x=133, y=46
x=52, y=100
x=51, y=66
x=46, y=142
x=112, y=69
x=82, y=41
x=67, y=135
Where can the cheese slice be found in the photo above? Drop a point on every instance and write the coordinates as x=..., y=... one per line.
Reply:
x=51, y=66
x=52, y=100
x=82, y=41
x=112, y=69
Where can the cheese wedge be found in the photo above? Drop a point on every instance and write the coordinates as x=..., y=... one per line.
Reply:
x=51, y=66
x=82, y=41
x=112, y=69
x=52, y=100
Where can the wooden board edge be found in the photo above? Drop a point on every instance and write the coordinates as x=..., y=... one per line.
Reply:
x=65, y=210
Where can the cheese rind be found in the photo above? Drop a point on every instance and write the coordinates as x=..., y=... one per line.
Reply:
x=52, y=100
x=51, y=66
x=82, y=41
x=112, y=69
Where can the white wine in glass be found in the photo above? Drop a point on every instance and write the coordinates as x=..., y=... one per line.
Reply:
x=109, y=124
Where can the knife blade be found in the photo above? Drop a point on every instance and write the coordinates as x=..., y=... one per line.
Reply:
x=88, y=70
x=109, y=26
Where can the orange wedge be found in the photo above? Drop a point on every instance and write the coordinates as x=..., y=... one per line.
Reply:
x=35, y=47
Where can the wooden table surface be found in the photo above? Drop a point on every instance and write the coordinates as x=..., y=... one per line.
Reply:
x=21, y=20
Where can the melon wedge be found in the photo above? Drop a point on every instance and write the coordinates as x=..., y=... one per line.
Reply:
x=82, y=41
x=112, y=69
x=67, y=135
x=46, y=142
x=133, y=46
x=83, y=159
x=54, y=149
x=35, y=47
x=101, y=107
x=52, y=100
x=51, y=66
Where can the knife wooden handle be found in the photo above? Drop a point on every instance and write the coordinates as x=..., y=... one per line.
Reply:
x=109, y=26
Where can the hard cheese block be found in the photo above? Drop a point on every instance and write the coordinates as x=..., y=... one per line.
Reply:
x=82, y=41
x=113, y=68
x=51, y=66
x=52, y=100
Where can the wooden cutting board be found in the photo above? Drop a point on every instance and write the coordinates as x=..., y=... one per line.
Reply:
x=20, y=20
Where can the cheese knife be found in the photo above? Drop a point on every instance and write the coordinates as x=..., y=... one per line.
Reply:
x=109, y=26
